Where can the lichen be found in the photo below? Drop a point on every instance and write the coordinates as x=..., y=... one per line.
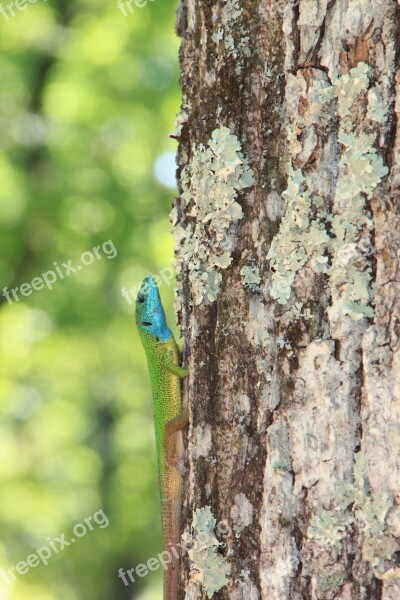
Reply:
x=327, y=529
x=347, y=88
x=300, y=238
x=259, y=337
x=241, y=513
x=229, y=18
x=207, y=566
x=368, y=511
x=376, y=107
x=389, y=574
x=211, y=182
x=202, y=440
x=361, y=170
x=251, y=277
x=280, y=465
x=181, y=119
x=332, y=582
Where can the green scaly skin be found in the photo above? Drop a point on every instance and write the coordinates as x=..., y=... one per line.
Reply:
x=165, y=375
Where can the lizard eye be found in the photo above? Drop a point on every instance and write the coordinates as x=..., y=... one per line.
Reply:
x=141, y=299
x=147, y=323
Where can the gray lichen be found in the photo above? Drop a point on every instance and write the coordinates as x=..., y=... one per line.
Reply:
x=299, y=240
x=368, y=511
x=208, y=567
x=360, y=172
x=332, y=582
x=211, y=183
x=347, y=88
x=302, y=239
x=202, y=440
x=327, y=529
x=228, y=19
x=251, y=277
x=376, y=107
x=241, y=513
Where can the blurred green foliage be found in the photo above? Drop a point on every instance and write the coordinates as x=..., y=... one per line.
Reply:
x=87, y=99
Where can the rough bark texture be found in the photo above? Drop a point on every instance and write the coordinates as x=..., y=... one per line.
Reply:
x=294, y=391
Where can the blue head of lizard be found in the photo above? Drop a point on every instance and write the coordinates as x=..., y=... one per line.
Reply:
x=150, y=316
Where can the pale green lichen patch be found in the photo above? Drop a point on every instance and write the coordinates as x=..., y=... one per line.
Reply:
x=327, y=529
x=230, y=17
x=368, y=512
x=376, y=107
x=211, y=182
x=361, y=170
x=347, y=87
x=300, y=238
x=207, y=566
x=332, y=582
x=251, y=277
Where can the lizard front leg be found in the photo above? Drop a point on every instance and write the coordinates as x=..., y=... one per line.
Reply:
x=173, y=368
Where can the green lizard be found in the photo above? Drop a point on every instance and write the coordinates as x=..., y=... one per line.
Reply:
x=165, y=374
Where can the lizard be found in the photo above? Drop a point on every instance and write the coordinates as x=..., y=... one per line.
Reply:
x=165, y=374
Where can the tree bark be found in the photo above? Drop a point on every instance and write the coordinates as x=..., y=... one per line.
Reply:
x=287, y=241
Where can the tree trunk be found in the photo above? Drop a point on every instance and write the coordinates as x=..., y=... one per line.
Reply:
x=287, y=240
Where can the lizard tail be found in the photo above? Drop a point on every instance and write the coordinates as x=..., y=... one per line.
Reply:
x=171, y=510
